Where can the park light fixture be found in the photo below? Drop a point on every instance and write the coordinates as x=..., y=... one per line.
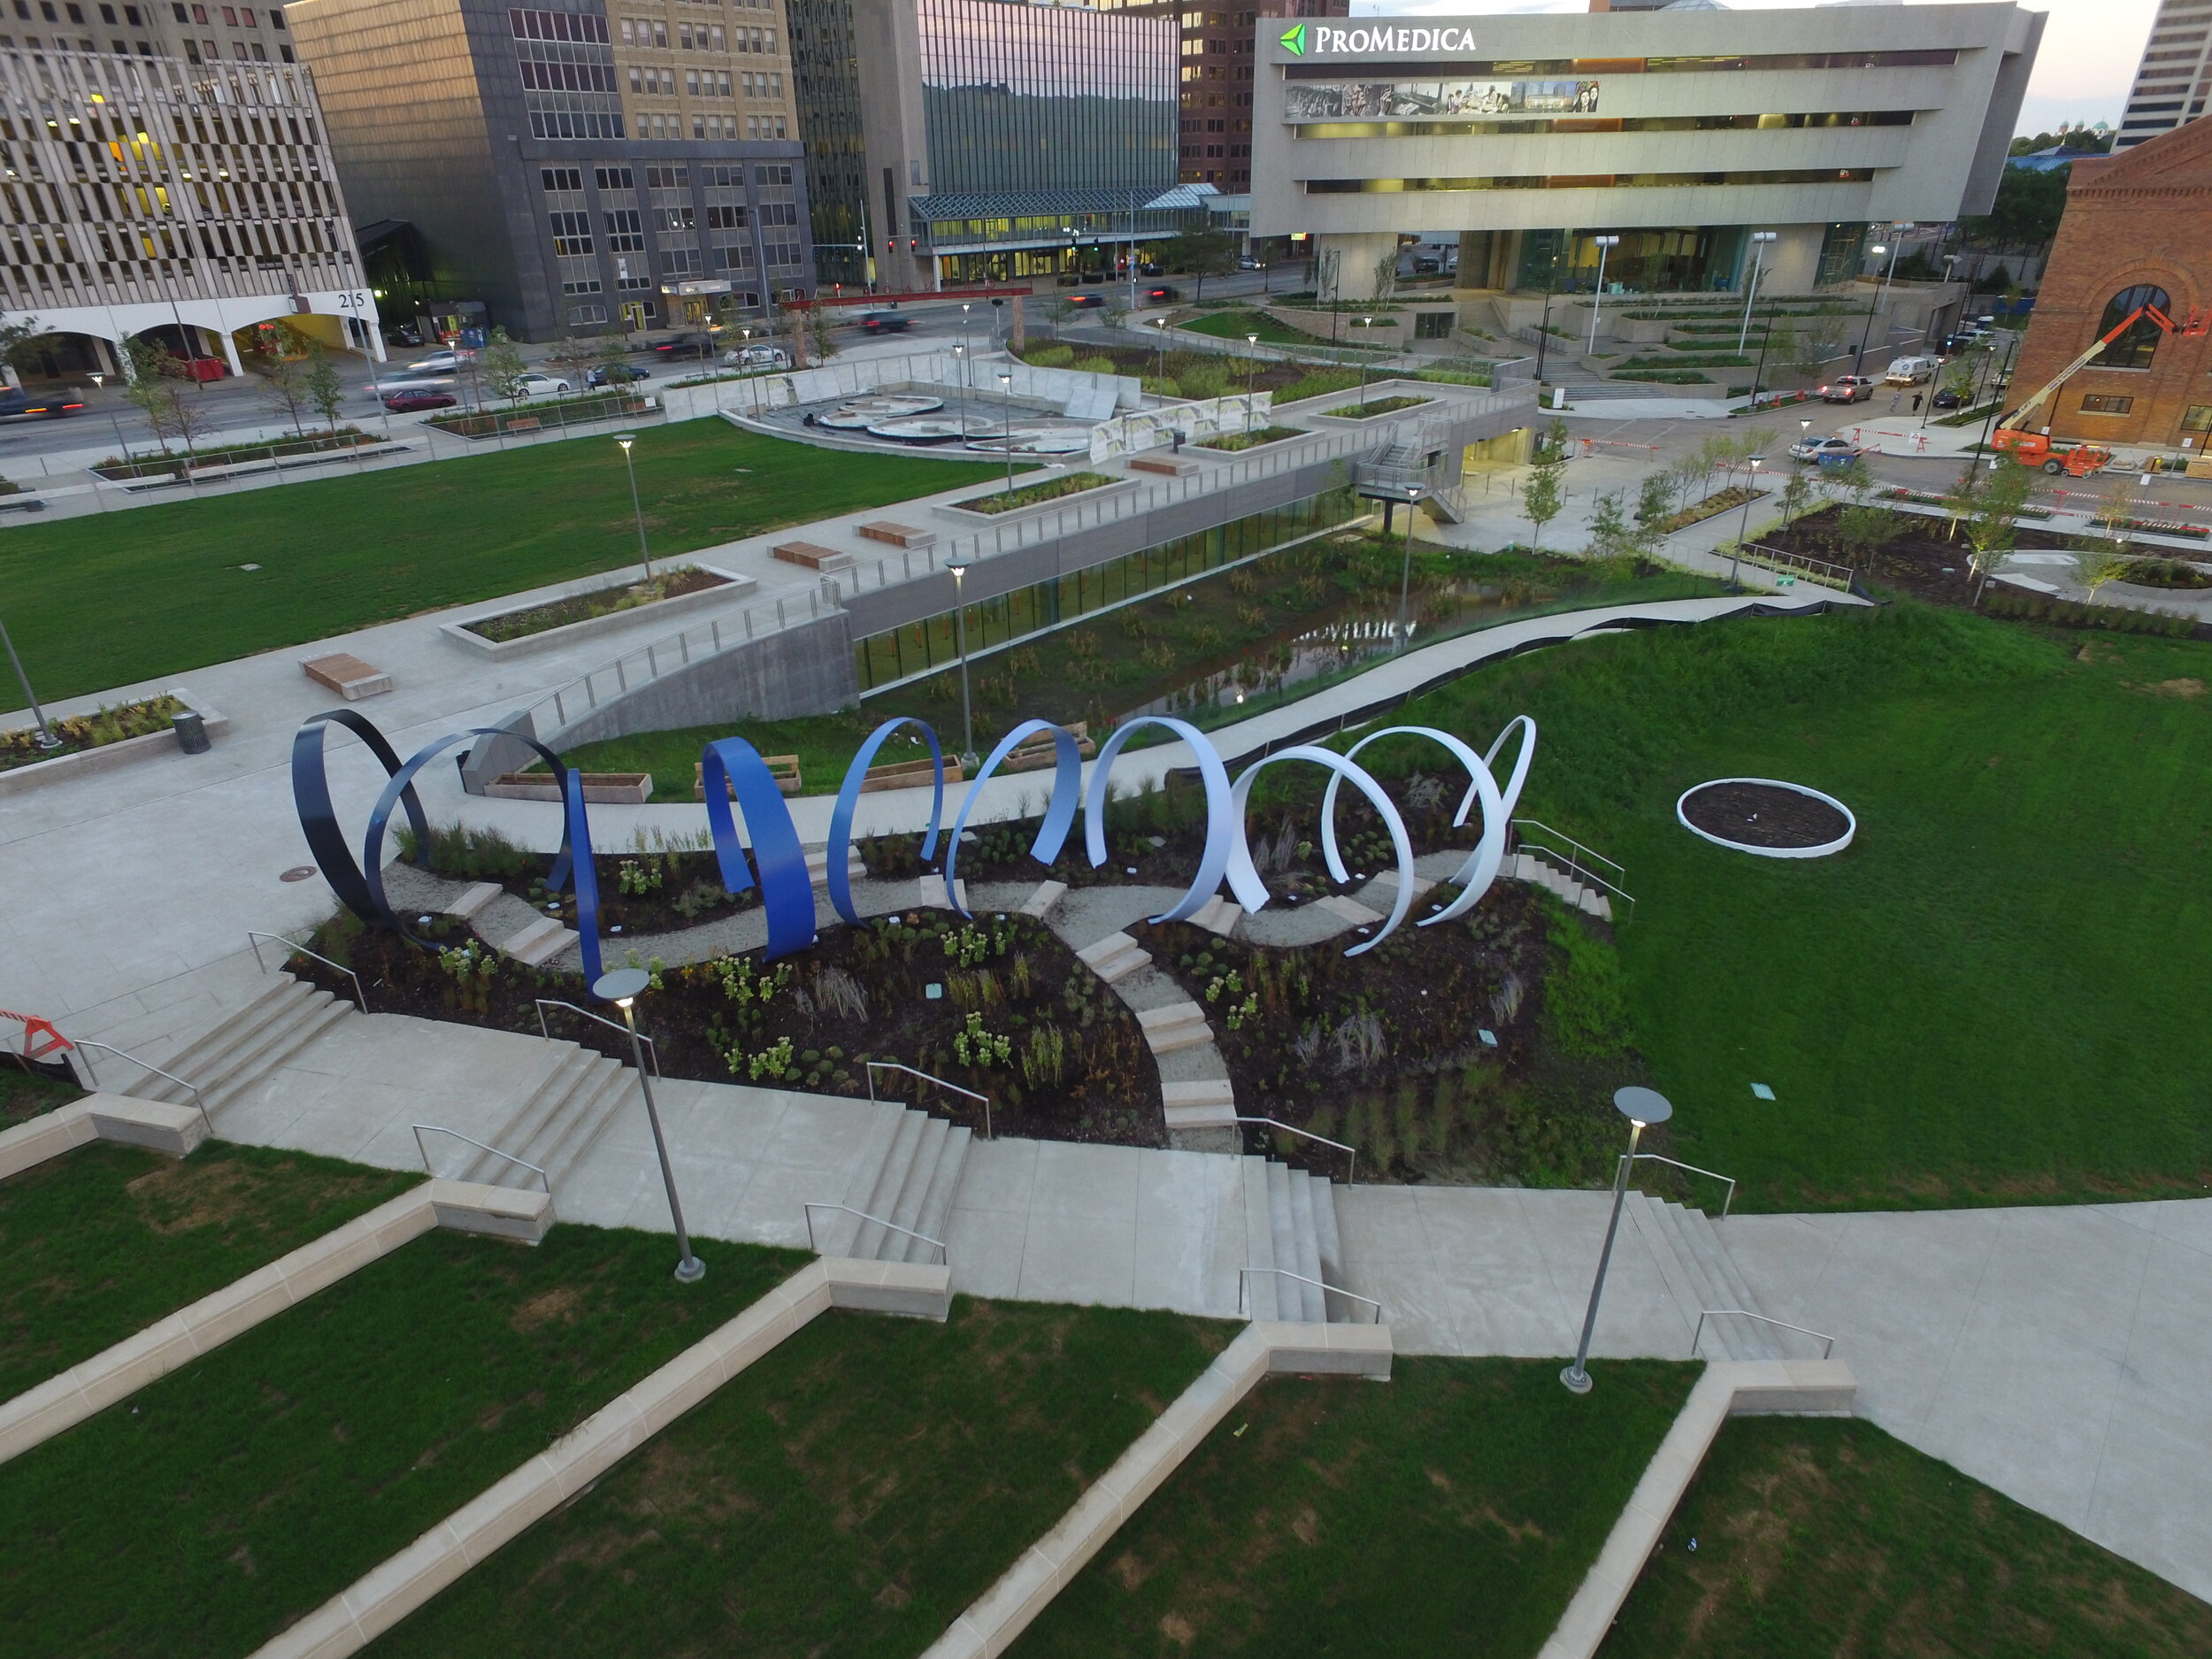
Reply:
x=1251, y=368
x=958, y=566
x=1605, y=245
x=626, y=438
x=1743, y=529
x=621, y=987
x=1642, y=1107
x=46, y=739
x=1006, y=410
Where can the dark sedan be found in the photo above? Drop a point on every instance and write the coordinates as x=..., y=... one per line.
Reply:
x=24, y=405
x=408, y=402
x=1088, y=301
x=609, y=374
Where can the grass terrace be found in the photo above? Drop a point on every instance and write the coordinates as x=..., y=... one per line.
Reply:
x=90, y=608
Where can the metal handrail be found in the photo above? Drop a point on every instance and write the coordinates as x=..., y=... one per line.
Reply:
x=1591, y=853
x=1327, y=1291
x=1704, y=1314
x=936, y=1244
x=543, y=1002
x=893, y=1065
x=1351, y=1154
x=439, y=1129
x=1575, y=868
x=1661, y=1158
x=255, y=939
x=1783, y=561
x=198, y=1103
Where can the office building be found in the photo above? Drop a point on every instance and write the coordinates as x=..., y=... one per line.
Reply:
x=192, y=203
x=1679, y=131
x=978, y=140
x=579, y=166
x=2174, y=76
x=171, y=29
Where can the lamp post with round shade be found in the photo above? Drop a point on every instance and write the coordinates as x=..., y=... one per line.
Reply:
x=1251, y=368
x=1161, y=324
x=1006, y=410
x=622, y=987
x=1743, y=528
x=1642, y=1107
x=1605, y=245
x=958, y=566
x=626, y=438
x=1368, y=323
x=963, y=345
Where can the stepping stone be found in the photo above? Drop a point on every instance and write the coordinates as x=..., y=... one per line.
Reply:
x=817, y=865
x=1177, y=1026
x=1421, y=884
x=475, y=898
x=1040, y=904
x=1209, y=1104
x=1220, y=915
x=540, y=942
x=1351, y=909
x=1114, y=958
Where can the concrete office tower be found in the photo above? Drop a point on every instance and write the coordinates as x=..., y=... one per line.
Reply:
x=576, y=166
x=171, y=29
x=994, y=139
x=191, y=202
x=2174, y=76
x=1679, y=131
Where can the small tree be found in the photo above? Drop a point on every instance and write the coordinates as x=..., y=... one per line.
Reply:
x=1963, y=496
x=1655, y=497
x=1386, y=276
x=1611, y=536
x=2097, y=561
x=1863, y=526
x=613, y=358
x=1544, y=494
x=1797, y=495
x=156, y=388
x=1992, y=527
x=2115, y=509
x=17, y=341
x=503, y=366
x=324, y=391
x=819, y=340
x=284, y=383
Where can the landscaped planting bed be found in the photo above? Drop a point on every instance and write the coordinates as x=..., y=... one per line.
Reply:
x=1235, y=441
x=1454, y=1509
x=1806, y=1537
x=101, y=1243
x=1204, y=375
x=1036, y=495
x=117, y=469
x=19, y=747
x=850, y=1495
x=1380, y=406
x=559, y=613
x=235, y=1495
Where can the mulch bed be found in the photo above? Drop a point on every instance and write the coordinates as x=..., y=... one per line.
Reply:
x=1761, y=815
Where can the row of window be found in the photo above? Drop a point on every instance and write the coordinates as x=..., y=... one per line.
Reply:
x=697, y=37
x=723, y=127
x=773, y=175
x=234, y=17
x=2197, y=418
x=583, y=27
x=1592, y=181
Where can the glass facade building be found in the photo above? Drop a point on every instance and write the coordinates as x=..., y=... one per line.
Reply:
x=824, y=69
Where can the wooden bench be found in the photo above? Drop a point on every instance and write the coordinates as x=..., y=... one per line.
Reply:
x=1173, y=465
x=783, y=768
x=815, y=557
x=1036, y=753
x=347, y=675
x=904, y=535
x=524, y=423
x=905, y=774
x=601, y=789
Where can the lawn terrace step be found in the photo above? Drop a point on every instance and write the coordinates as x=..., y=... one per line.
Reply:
x=906, y=774
x=1528, y=866
x=474, y=898
x=1114, y=958
x=910, y=1178
x=783, y=768
x=1290, y=1224
x=537, y=942
x=245, y=1046
x=601, y=789
x=1039, y=904
x=1170, y=466
x=1220, y=915
x=1036, y=753
x=1702, y=1275
x=556, y=1123
x=1177, y=1026
x=1200, y=1104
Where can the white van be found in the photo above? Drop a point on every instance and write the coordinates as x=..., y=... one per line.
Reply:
x=1910, y=370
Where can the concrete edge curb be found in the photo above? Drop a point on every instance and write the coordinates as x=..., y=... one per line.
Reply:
x=93, y=1385
x=388, y=1592
x=154, y=1124
x=737, y=587
x=1729, y=1388
x=128, y=751
x=997, y=1618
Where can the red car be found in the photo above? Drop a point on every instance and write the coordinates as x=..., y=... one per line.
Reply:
x=1087, y=302
x=408, y=402
x=1160, y=294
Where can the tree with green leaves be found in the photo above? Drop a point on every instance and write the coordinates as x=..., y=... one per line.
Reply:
x=819, y=341
x=283, y=382
x=1544, y=494
x=501, y=365
x=1612, y=537
x=1386, y=276
x=1656, y=498
x=2097, y=561
x=2025, y=214
x=326, y=391
x=155, y=387
x=1797, y=495
x=1993, y=522
x=1203, y=253
x=1864, y=526
x=613, y=358
x=18, y=341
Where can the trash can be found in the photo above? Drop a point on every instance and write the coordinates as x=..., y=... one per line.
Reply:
x=191, y=732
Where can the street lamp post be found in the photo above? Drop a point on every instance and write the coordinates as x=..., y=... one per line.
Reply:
x=1405, y=570
x=1642, y=1107
x=1605, y=245
x=1367, y=323
x=1896, y=246
x=46, y=738
x=1759, y=241
x=122, y=444
x=959, y=568
x=2002, y=375
x=1743, y=529
x=1006, y=408
x=1251, y=369
x=621, y=987
x=626, y=438
x=963, y=346
x=1161, y=324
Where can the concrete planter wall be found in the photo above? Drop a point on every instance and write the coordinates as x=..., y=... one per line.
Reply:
x=108, y=756
x=463, y=632
x=962, y=515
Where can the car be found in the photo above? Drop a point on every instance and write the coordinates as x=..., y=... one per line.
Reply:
x=757, y=357
x=885, y=322
x=536, y=385
x=1088, y=301
x=414, y=399
x=406, y=337
x=684, y=345
x=1160, y=294
x=437, y=362
x=26, y=406
x=1848, y=388
x=1948, y=399
x=608, y=373
x=1910, y=370
x=1828, y=451
x=1246, y=262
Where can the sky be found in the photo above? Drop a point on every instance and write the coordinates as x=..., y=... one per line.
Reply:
x=2088, y=58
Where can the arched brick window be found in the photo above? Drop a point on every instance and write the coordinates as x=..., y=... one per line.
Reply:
x=2134, y=349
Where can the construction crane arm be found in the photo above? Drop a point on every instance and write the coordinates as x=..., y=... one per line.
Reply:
x=2195, y=325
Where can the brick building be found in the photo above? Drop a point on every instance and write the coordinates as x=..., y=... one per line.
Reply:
x=2138, y=228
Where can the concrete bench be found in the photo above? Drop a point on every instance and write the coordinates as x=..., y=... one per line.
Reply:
x=783, y=768
x=1172, y=465
x=347, y=675
x=811, y=555
x=601, y=789
x=904, y=535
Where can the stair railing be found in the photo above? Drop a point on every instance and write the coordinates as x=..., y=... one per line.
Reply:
x=1327, y=1291
x=296, y=949
x=1677, y=1163
x=1582, y=862
x=1351, y=1155
x=198, y=1104
x=439, y=1129
x=892, y=1065
x=1829, y=1342
x=544, y=1002
x=937, y=1245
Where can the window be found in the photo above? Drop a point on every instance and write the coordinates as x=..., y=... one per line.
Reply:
x=107, y=15
x=260, y=53
x=571, y=233
x=230, y=17
x=675, y=218
x=624, y=233
x=246, y=12
x=2135, y=349
x=2105, y=403
x=691, y=82
x=2199, y=418
x=726, y=218
x=586, y=314
x=285, y=52
x=771, y=175
x=737, y=256
x=561, y=177
x=668, y=178
x=782, y=253
x=613, y=178
x=679, y=261
x=715, y=30
x=778, y=213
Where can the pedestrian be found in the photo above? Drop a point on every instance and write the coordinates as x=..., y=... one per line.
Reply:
x=1915, y=402
x=1894, y=397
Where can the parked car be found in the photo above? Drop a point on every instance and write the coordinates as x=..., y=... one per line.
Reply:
x=406, y=337
x=757, y=357
x=437, y=362
x=1160, y=294
x=602, y=374
x=24, y=406
x=1910, y=370
x=690, y=345
x=1848, y=388
x=408, y=402
x=885, y=322
x=536, y=385
x=1246, y=262
x=1088, y=301
x=1948, y=399
x=1828, y=451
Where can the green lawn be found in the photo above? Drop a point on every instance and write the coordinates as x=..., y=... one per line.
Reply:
x=1451, y=1510
x=1829, y=1538
x=232, y=1497
x=1995, y=996
x=1237, y=324
x=850, y=1493
x=97, y=1244
x=102, y=601
x=25, y=1094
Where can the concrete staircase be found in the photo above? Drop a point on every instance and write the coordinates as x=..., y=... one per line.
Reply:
x=908, y=1178
x=1698, y=1268
x=240, y=1049
x=1529, y=865
x=558, y=1121
x=1290, y=1223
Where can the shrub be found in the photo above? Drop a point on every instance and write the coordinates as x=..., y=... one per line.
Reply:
x=1205, y=380
x=2066, y=613
x=1049, y=356
x=1096, y=365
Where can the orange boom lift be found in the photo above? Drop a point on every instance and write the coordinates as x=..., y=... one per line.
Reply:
x=2034, y=448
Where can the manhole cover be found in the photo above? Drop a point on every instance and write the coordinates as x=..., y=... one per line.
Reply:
x=1768, y=818
x=297, y=872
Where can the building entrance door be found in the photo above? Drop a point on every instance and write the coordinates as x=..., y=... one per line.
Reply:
x=633, y=314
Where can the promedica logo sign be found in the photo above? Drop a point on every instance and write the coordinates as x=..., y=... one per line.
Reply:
x=1320, y=40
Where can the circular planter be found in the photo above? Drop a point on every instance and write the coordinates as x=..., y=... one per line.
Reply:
x=1742, y=802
